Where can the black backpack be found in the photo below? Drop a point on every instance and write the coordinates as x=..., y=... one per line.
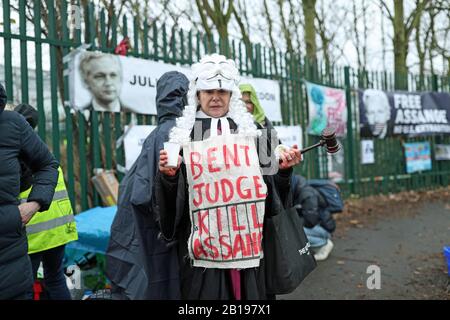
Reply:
x=330, y=193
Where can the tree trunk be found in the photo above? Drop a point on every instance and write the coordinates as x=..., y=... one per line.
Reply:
x=309, y=13
x=400, y=42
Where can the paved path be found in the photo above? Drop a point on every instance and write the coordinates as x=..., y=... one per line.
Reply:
x=407, y=249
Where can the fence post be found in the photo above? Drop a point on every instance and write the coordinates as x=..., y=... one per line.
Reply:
x=350, y=138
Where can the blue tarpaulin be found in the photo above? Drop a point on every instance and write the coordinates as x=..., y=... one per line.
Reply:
x=93, y=228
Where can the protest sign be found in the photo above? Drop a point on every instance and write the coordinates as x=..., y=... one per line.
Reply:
x=226, y=199
x=418, y=156
x=133, y=141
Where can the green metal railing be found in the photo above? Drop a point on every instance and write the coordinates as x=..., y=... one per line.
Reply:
x=84, y=144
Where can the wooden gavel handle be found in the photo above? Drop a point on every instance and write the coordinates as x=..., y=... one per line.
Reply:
x=320, y=143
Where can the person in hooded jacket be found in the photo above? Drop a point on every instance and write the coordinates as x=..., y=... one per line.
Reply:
x=214, y=108
x=140, y=264
x=319, y=223
x=18, y=142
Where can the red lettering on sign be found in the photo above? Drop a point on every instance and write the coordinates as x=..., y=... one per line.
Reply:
x=210, y=157
x=214, y=252
x=219, y=219
x=227, y=196
x=224, y=244
x=195, y=163
x=216, y=192
x=248, y=246
x=255, y=220
x=258, y=187
x=198, y=189
x=198, y=249
x=235, y=221
x=237, y=245
x=201, y=225
x=247, y=159
x=247, y=194
x=228, y=155
x=256, y=242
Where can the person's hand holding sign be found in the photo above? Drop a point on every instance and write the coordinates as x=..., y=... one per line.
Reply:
x=163, y=161
x=290, y=157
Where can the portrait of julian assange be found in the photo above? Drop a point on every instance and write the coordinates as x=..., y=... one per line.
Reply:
x=102, y=76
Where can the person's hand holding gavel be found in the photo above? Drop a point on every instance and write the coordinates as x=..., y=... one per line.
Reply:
x=289, y=157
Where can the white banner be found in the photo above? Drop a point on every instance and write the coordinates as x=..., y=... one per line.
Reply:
x=106, y=82
x=290, y=135
x=226, y=199
x=133, y=141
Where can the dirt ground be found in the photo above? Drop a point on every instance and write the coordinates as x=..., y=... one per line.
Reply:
x=404, y=234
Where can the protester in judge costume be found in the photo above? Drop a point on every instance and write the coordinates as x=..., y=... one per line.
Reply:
x=214, y=111
x=139, y=264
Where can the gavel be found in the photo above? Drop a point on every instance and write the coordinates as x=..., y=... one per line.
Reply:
x=328, y=139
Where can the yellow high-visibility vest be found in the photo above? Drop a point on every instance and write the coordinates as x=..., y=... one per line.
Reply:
x=54, y=227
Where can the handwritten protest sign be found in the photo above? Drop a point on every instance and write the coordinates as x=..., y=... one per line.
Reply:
x=227, y=200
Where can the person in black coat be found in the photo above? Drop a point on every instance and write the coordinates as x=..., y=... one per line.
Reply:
x=215, y=109
x=319, y=223
x=139, y=264
x=19, y=141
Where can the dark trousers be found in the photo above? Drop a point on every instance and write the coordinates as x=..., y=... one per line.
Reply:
x=54, y=279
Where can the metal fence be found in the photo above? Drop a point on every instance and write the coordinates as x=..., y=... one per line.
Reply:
x=83, y=144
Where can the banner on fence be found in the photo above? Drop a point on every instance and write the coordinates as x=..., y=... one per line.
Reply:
x=133, y=141
x=384, y=114
x=290, y=135
x=367, y=152
x=226, y=200
x=442, y=151
x=418, y=156
x=106, y=82
x=327, y=108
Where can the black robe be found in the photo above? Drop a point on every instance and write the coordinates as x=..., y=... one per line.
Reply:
x=139, y=264
x=172, y=210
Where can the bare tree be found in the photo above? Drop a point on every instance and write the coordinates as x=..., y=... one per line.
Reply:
x=402, y=33
x=220, y=14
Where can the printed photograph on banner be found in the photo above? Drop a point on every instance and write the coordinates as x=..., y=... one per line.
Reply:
x=133, y=141
x=418, y=156
x=442, y=151
x=106, y=82
x=290, y=135
x=327, y=108
x=226, y=206
x=384, y=114
x=367, y=152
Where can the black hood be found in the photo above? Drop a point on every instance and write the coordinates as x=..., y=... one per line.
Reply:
x=30, y=114
x=171, y=91
x=3, y=98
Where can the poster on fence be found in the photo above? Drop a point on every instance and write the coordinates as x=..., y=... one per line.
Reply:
x=327, y=108
x=418, y=156
x=114, y=83
x=336, y=164
x=367, y=152
x=442, y=152
x=384, y=114
x=290, y=135
x=133, y=141
x=226, y=200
